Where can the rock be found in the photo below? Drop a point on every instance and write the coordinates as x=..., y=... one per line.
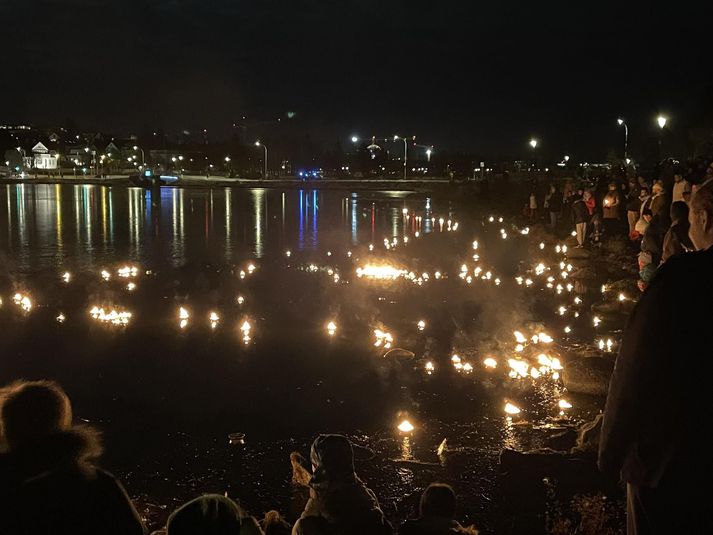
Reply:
x=562, y=441
x=584, y=273
x=578, y=254
x=579, y=262
x=608, y=308
x=588, y=435
x=399, y=354
x=615, y=245
x=588, y=375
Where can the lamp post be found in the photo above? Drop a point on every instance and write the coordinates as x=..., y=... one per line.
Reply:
x=661, y=120
x=622, y=122
x=258, y=144
x=396, y=138
x=143, y=157
x=533, y=143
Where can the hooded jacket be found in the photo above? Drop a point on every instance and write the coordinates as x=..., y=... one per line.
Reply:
x=340, y=503
x=51, y=486
x=652, y=430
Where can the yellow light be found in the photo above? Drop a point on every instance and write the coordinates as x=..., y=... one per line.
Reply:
x=23, y=302
x=490, y=363
x=66, y=277
x=512, y=409
x=60, y=318
x=114, y=317
x=105, y=275
x=519, y=337
x=406, y=427
x=564, y=404
x=331, y=328
x=429, y=367
x=380, y=272
x=131, y=286
x=421, y=325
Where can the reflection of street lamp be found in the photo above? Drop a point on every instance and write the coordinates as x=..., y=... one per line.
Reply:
x=258, y=144
x=396, y=138
x=622, y=122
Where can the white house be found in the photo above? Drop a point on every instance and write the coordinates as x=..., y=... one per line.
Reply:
x=42, y=157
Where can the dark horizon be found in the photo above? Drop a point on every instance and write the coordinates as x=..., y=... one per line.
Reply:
x=462, y=77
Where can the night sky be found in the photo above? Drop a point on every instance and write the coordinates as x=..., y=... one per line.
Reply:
x=462, y=75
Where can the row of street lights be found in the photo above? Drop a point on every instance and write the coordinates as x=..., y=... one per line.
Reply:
x=374, y=139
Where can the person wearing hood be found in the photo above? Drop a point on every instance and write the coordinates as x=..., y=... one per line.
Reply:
x=339, y=502
x=437, y=514
x=651, y=436
x=652, y=241
x=211, y=514
x=49, y=481
x=676, y=240
x=659, y=203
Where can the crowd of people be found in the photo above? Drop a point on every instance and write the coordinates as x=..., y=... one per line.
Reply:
x=51, y=483
x=652, y=216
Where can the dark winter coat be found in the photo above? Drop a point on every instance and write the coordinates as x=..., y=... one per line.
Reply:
x=340, y=503
x=555, y=202
x=660, y=205
x=654, y=430
x=676, y=241
x=52, y=487
x=580, y=211
x=633, y=200
x=434, y=526
x=652, y=242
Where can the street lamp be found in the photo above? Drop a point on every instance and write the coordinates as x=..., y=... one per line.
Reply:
x=396, y=138
x=429, y=151
x=622, y=122
x=533, y=143
x=143, y=157
x=258, y=144
x=227, y=159
x=661, y=120
x=355, y=139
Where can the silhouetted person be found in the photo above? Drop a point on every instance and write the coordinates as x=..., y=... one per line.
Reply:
x=340, y=503
x=211, y=514
x=436, y=514
x=48, y=480
x=653, y=433
x=676, y=240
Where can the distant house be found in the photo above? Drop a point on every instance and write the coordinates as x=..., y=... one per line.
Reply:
x=42, y=157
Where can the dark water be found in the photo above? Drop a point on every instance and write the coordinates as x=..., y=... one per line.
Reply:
x=166, y=398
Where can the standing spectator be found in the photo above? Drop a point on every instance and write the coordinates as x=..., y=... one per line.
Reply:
x=659, y=203
x=642, y=223
x=581, y=218
x=49, y=481
x=651, y=434
x=611, y=205
x=677, y=240
x=652, y=241
x=680, y=187
x=633, y=204
x=590, y=202
x=532, y=200
x=437, y=514
x=554, y=205
x=339, y=501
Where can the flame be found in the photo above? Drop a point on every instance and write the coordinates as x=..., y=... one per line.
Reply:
x=519, y=337
x=126, y=272
x=106, y=275
x=430, y=368
x=383, y=338
x=564, y=404
x=512, y=409
x=490, y=363
x=23, y=302
x=114, y=317
x=421, y=325
x=131, y=286
x=380, y=272
x=60, y=318
x=214, y=319
x=406, y=427
x=67, y=276
x=331, y=328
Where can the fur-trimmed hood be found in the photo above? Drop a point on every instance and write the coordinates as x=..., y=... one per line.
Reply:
x=77, y=448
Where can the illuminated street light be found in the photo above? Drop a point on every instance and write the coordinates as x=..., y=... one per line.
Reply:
x=429, y=151
x=622, y=122
x=396, y=138
x=143, y=157
x=227, y=159
x=258, y=144
x=533, y=143
x=661, y=120
x=355, y=139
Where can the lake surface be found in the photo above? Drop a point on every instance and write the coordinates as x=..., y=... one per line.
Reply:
x=259, y=275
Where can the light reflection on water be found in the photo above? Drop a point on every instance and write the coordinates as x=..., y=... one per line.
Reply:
x=87, y=225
